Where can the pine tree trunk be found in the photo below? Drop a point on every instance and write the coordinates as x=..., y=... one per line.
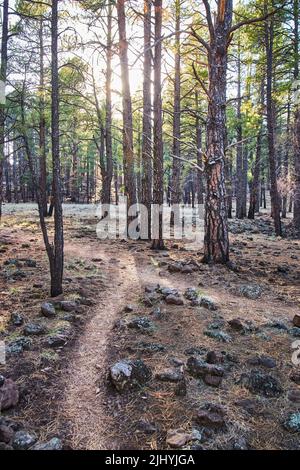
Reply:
x=128, y=154
x=147, y=125
x=3, y=73
x=158, y=170
x=216, y=242
x=254, y=195
x=57, y=268
x=200, y=185
x=176, y=167
x=269, y=40
x=297, y=124
x=42, y=133
x=239, y=148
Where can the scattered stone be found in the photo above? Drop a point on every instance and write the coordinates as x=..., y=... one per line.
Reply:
x=249, y=291
x=23, y=440
x=48, y=310
x=17, y=319
x=292, y=422
x=191, y=294
x=29, y=263
x=54, y=444
x=295, y=377
x=56, y=341
x=151, y=288
x=211, y=374
x=294, y=396
x=187, y=269
x=214, y=357
x=177, y=438
x=6, y=433
x=295, y=332
x=239, y=444
x=277, y=325
x=169, y=375
x=261, y=383
x=146, y=427
x=67, y=305
x=218, y=335
x=296, y=321
x=174, y=267
x=237, y=325
x=17, y=275
x=34, y=329
x=141, y=323
x=208, y=303
x=211, y=416
x=174, y=300
x=165, y=291
x=127, y=374
x=264, y=361
x=18, y=345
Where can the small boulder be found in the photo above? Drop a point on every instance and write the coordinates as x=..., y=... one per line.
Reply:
x=48, y=310
x=141, y=323
x=261, y=383
x=23, y=440
x=296, y=320
x=174, y=300
x=18, y=345
x=34, y=329
x=128, y=374
x=214, y=357
x=264, y=361
x=250, y=291
x=146, y=427
x=55, y=341
x=177, y=438
x=54, y=444
x=67, y=305
x=9, y=394
x=6, y=433
x=208, y=303
x=237, y=325
x=169, y=375
x=191, y=294
x=292, y=423
x=211, y=416
x=17, y=319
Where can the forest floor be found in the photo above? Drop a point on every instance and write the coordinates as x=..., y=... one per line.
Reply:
x=204, y=382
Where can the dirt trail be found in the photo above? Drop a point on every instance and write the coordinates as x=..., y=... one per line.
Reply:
x=84, y=406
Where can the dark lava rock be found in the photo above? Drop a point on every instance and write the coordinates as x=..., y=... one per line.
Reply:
x=55, y=341
x=294, y=396
x=141, y=323
x=67, y=305
x=295, y=332
x=146, y=427
x=292, y=422
x=211, y=416
x=174, y=300
x=128, y=374
x=208, y=303
x=251, y=291
x=261, y=383
x=151, y=288
x=296, y=321
x=169, y=375
x=278, y=325
x=17, y=319
x=6, y=433
x=214, y=357
x=54, y=444
x=165, y=291
x=264, y=361
x=34, y=329
x=174, y=267
x=295, y=377
x=191, y=293
x=18, y=345
x=48, y=310
x=23, y=440
x=210, y=373
x=237, y=325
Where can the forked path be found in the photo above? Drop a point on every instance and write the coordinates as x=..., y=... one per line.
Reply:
x=84, y=406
